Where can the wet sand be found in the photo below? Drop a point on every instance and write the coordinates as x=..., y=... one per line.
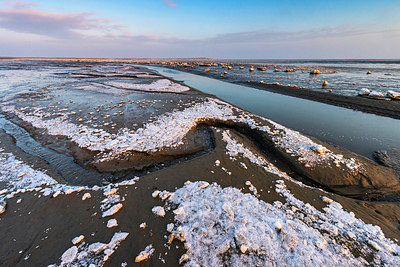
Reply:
x=145, y=141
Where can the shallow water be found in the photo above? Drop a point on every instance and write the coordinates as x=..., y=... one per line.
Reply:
x=359, y=132
x=348, y=78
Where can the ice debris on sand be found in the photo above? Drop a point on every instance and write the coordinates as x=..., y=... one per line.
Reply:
x=96, y=253
x=215, y=221
x=145, y=254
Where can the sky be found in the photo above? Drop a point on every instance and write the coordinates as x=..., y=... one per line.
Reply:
x=252, y=29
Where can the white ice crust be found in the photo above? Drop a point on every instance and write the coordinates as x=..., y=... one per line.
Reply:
x=160, y=85
x=223, y=226
x=169, y=130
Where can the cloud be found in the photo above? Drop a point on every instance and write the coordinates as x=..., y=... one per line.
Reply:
x=34, y=32
x=283, y=36
x=21, y=17
x=170, y=3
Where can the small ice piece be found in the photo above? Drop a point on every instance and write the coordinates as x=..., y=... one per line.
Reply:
x=86, y=196
x=69, y=255
x=164, y=195
x=327, y=200
x=278, y=226
x=111, y=192
x=69, y=191
x=111, y=211
x=244, y=248
x=3, y=205
x=184, y=258
x=56, y=193
x=78, y=239
x=203, y=184
x=319, y=149
x=375, y=94
x=4, y=191
x=217, y=162
x=170, y=227
x=145, y=254
x=112, y=223
x=155, y=193
x=96, y=248
x=364, y=92
x=143, y=225
x=19, y=201
x=393, y=94
x=159, y=211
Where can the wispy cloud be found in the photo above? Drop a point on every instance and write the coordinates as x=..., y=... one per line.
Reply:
x=170, y=3
x=274, y=36
x=22, y=17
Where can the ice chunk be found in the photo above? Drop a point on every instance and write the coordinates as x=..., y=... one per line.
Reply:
x=159, y=211
x=145, y=254
x=111, y=211
x=3, y=206
x=112, y=223
x=78, y=239
x=364, y=92
x=69, y=255
x=86, y=196
x=155, y=193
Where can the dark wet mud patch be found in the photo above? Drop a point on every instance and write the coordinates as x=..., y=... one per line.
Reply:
x=389, y=159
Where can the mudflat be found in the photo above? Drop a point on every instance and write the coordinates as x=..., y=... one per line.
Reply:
x=130, y=167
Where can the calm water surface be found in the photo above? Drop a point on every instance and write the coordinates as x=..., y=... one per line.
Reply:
x=356, y=131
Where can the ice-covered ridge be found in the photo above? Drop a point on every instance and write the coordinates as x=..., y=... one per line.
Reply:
x=223, y=226
x=234, y=149
x=160, y=85
x=169, y=130
x=307, y=150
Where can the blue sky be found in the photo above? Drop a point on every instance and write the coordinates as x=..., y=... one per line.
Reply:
x=191, y=28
